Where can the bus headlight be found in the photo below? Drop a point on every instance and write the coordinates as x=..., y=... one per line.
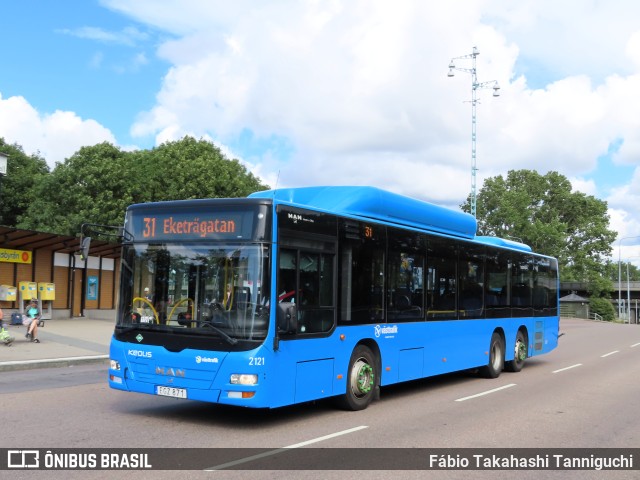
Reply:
x=115, y=365
x=243, y=379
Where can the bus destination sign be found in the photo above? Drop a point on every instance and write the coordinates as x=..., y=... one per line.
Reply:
x=177, y=227
x=194, y=225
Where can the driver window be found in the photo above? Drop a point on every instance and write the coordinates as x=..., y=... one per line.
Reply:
x=287, y=276
x=307, y=279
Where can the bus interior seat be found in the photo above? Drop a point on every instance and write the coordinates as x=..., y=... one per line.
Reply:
x=540, y=297
x=521, y=295
x=492, y=300
x=472, y=306
x=447, y=302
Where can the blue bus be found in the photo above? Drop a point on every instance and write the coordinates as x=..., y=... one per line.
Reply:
x=299, y=294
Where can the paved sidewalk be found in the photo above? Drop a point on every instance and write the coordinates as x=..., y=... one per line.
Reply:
x=62, y=342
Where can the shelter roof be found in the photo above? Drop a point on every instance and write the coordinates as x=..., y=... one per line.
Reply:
x=572, y=297
x=18, y=239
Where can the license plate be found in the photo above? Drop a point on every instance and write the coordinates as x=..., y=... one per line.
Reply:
x=171, y=392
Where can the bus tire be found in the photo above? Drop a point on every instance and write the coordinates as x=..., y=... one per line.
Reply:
x=496, y=357
x=362, y=380
x=520, y=354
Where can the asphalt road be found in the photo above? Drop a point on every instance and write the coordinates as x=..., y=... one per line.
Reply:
x=585, y=394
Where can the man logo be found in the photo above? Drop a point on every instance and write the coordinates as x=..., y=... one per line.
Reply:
x=170, y=372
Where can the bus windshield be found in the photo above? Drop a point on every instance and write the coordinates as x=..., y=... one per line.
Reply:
x=216, y=290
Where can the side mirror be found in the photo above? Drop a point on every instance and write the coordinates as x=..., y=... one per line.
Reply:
x=287, y=317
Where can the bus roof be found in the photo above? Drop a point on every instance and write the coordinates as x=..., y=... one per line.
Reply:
x=377, y=204
x=503, y=242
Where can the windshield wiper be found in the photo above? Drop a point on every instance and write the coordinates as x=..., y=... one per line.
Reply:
x=148, y=326
x=222, y=333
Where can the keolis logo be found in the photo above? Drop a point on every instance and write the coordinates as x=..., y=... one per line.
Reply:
x=139, y=353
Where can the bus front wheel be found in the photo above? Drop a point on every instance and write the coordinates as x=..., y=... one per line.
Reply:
x=362, y=379
x=496, y=357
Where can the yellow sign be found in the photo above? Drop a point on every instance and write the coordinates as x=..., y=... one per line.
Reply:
x=14, y=256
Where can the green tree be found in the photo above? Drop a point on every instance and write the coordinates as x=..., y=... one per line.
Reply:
x=190, y=168
x=97, y=183
x=543, y=212
x=617, y=272
x=17, y=191
x=90, y=186
x=602, y=307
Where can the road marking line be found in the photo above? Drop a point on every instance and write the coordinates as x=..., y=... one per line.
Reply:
x=327, y=437
x=284, y=449
x=635, y=345
x=567, y=368
x=610, y=353
x=485, y=393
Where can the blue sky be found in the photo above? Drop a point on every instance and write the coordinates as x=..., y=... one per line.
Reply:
x=77, y=55
x=338, y=92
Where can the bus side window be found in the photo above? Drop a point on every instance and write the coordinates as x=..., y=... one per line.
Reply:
x=405, y=267
x=316, y=310
x=441, y=279
x=471, y=280
x=362, y=273
x=287, y=277
x=306, y=280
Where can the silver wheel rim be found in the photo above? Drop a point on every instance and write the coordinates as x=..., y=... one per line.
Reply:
x=362, y=378
x=497, y=356
x=520, y=351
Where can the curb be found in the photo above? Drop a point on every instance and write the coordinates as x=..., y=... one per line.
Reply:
x=52, y=362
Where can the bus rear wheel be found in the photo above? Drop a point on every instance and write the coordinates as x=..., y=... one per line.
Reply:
x=362, y=380
x=496, y=357
x=520, y=354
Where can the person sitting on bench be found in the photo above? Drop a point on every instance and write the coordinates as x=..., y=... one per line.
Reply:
x=31, y=320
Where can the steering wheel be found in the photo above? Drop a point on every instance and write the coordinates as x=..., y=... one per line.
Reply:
x=180, y=302
x=144, y=300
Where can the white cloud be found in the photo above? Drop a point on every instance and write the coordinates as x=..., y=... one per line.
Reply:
x=570, y=37
x=96, y=60
x=588, y=187
x=128, y=36
x=633, y=49
x=55, y=136
x=358, y=89
x=627, y=197
x=624, y=218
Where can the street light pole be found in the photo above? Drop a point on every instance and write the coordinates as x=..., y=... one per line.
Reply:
x=3, y=170
x=620, y=273
x=620, y=278
x=475, y=85
x=628, y=295
x=628, y=307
